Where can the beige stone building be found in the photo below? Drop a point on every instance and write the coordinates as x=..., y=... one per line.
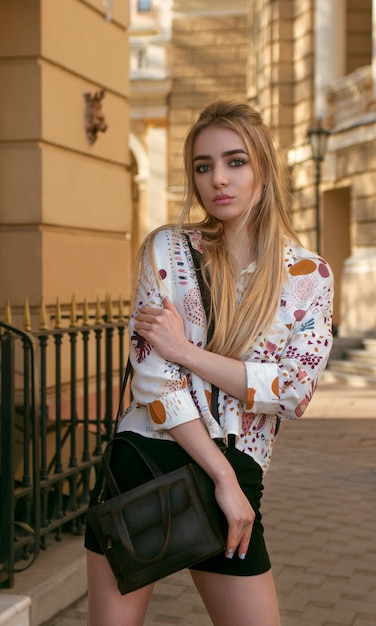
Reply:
x=150, y=88
x=72, y=213
x=297, y=61
x=329, y=50
x=65, y=189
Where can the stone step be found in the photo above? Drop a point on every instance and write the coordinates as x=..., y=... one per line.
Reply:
x=352, y=367
x=56, y=580
x=351, y=372
x=352, y=361
x=341, y=345
x=370, y=345
x=351, y=380
x=14, y=610
x=361, y=356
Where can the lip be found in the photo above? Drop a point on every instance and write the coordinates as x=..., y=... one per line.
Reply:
x=222, y=198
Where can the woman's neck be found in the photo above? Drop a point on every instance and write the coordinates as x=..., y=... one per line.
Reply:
x=239, y=244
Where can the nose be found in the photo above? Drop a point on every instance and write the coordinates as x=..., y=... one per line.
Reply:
x=220, y=178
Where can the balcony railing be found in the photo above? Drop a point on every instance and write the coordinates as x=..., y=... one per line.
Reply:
x=350, y=97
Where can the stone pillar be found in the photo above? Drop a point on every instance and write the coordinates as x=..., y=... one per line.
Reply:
x=374, y=49
x=330, y=48
x=65, y=203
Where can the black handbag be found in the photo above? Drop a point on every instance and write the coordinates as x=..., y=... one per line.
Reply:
x=162, y=526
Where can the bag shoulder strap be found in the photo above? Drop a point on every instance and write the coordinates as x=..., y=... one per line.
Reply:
x=126, y=377
x=205, y=296
x=205, y=293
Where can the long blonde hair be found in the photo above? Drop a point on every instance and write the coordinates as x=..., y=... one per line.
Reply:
x=237, y=324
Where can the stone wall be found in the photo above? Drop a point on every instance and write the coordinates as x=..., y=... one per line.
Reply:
x=208, y=60
x=65, y=204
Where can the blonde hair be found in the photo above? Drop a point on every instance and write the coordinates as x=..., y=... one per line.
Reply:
x=237, y=324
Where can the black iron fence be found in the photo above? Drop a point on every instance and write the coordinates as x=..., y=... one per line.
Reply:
x=59, y=389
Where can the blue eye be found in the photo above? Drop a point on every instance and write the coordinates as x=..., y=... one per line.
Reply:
x=200, y=169
x=237, y=162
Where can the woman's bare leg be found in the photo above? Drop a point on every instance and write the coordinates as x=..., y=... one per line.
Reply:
x=240, y=600
x=106, y=605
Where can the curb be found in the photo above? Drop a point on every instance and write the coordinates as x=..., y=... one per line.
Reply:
x=55, y=581
x=14, y=610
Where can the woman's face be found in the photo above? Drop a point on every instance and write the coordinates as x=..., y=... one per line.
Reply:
x=223, y=174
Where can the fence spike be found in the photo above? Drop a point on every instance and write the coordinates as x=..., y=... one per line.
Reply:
x=73, y=315
x=108, y=308
x=8, y=313
x=85, y=316
x=98, y=317
x=26, y=316
x=42, y=316
x=58, y=314
x=121, y=312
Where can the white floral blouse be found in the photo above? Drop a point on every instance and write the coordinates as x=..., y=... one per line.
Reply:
x=282, y=368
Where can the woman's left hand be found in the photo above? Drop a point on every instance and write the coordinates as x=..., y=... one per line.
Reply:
x=163, y=329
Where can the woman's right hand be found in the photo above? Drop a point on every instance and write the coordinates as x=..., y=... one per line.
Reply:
x=194, y=438
x=239, y=514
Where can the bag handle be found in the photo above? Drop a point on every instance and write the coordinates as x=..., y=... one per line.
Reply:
x=123, y=534
x=153, y=468
x=164, y=498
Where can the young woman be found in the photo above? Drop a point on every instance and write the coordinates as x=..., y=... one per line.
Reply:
x=271, y=305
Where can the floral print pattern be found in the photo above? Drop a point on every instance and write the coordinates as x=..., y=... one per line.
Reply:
x=282, y=368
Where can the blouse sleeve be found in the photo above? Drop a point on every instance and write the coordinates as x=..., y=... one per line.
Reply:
x=159, y=384
x=282, y=378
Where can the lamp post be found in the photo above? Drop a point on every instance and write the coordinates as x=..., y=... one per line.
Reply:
x=318, y=136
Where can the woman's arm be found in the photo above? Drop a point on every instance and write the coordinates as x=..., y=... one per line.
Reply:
x=277, y=378
x=164, y=330
x=159, y=384
x=194, y=438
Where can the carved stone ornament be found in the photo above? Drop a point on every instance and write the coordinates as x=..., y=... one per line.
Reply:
x=94, y=119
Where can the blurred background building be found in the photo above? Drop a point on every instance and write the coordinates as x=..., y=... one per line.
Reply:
x=73, y=212
x=65, y=189
x=309, y=67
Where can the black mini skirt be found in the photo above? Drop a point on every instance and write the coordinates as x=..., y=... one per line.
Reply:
x=129, y=472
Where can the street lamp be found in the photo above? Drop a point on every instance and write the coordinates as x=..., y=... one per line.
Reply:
x=318, y=136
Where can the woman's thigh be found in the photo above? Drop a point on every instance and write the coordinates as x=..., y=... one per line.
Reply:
x=106, y=605
x=240, y=600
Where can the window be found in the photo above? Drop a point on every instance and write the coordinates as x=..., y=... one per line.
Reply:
x=143, y=5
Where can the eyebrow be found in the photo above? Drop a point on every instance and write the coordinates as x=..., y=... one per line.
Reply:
x=205, y=157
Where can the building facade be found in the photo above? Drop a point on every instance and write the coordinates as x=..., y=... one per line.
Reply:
x=65, y=183
x=150, y=88
x=66, y=204
x=333, y=65
x=300, y=63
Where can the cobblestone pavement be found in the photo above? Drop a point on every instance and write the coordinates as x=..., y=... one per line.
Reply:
x=319, y=510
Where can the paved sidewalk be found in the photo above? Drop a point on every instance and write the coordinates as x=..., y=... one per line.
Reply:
x=319, y=512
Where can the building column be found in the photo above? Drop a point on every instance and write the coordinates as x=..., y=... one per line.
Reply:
x=65, y=194
x=374, y=49
x=330, y=48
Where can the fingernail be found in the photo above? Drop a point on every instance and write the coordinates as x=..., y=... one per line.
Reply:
x=242, y=556
x=229, y=554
